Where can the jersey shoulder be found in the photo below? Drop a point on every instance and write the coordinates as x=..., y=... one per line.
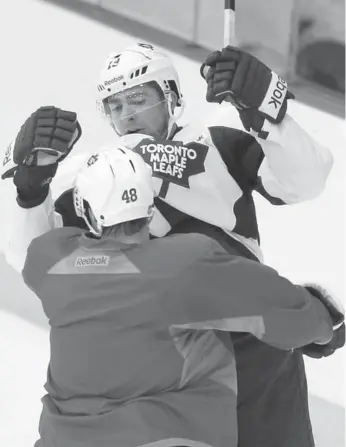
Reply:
x=48, y=249
x=170, y=255
x=54, y=238
x=239, y=150
x=223, y=126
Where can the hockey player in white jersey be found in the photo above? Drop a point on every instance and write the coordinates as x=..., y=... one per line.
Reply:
x=204, y=176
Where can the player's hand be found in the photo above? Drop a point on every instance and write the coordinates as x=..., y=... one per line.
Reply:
x=44, y=140
x=257, y=92
x=319, y=351
x=336, y=312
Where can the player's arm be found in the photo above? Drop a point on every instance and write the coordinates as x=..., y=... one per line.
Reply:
x=225, y=292
x=294, y=166
x=43, y=141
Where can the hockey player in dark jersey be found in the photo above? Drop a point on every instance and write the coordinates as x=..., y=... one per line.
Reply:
x=204, y=177
x=140, y=352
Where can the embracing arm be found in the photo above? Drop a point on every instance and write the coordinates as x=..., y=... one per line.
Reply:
x=229, y=293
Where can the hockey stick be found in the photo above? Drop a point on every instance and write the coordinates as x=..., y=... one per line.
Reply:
x=228, y=27
x=229, y=23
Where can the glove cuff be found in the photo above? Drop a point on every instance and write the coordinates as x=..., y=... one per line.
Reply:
x=274, y=99
x=255, y=120
x=32, y=184
x=34, y=198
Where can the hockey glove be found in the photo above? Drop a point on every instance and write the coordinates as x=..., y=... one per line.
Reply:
x=257, y=92
x=49, y=131
x=336, y=312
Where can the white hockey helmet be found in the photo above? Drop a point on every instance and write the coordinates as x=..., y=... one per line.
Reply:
x=139, y=64
x=117, y=186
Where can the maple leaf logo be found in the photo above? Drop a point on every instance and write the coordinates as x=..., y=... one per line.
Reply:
x=173, y=161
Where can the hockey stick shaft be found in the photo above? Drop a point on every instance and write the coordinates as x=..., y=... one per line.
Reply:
x=228, y=27
x=229, y=23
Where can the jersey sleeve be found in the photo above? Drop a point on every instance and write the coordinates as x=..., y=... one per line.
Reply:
x=295, y=166
x=229, y=293
x=286, y=167
x=240, y=152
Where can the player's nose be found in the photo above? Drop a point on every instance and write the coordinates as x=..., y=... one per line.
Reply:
x=128, y=112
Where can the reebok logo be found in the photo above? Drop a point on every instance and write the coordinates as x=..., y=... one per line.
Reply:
x=278, y=93
x=91, y=261
x=113, y=80
x=275, y=96
x=102, y=87
x=8, y=155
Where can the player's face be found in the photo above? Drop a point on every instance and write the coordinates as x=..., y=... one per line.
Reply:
x=140, y=109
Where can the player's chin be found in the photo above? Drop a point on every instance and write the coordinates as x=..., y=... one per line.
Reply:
x=134, y=131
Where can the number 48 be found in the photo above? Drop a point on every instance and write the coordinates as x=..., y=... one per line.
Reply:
x=129, y=195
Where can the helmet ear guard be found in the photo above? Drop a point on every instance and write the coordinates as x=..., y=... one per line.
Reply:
x=84, y=211
x=174, y=88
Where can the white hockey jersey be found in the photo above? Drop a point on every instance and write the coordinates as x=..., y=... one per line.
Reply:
x=207, y=173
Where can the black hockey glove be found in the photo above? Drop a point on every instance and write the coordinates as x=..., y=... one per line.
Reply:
x=257, y=92
x=335, y=310
x=49, y=130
